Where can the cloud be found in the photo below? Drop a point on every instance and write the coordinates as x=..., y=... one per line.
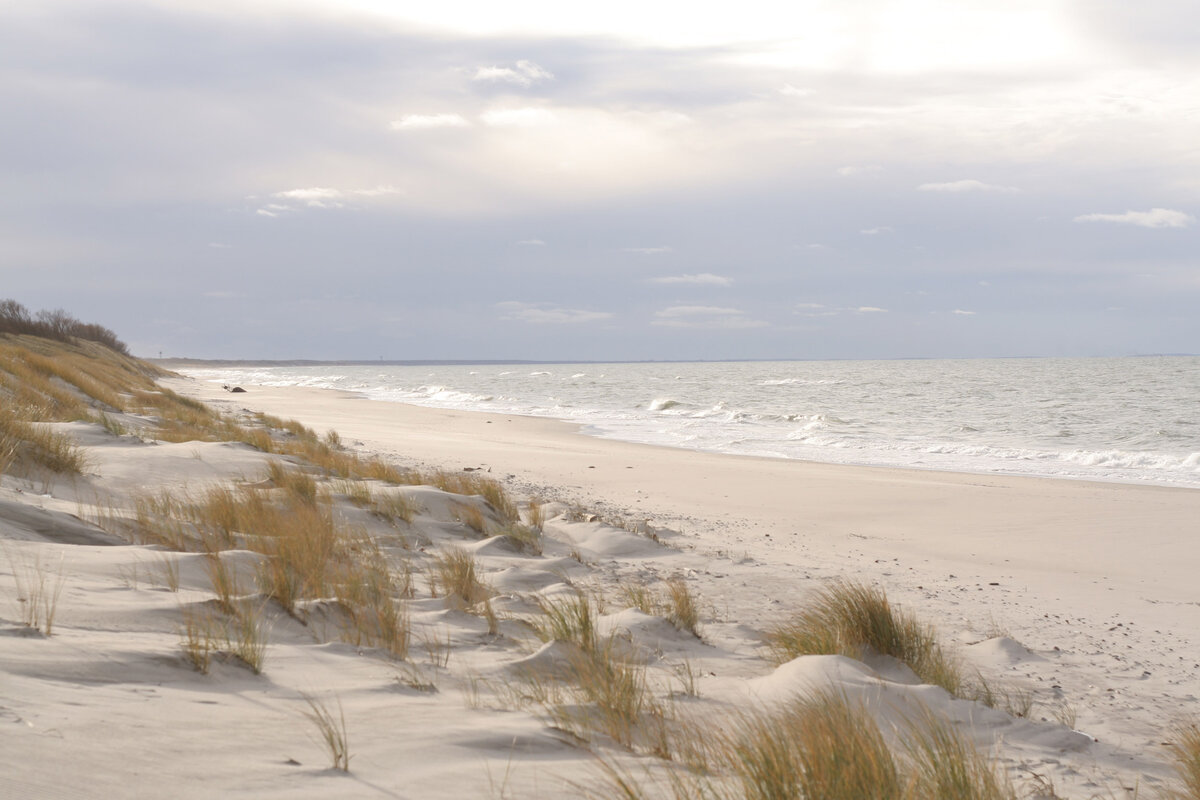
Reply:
x=962, y=313
x=704, y=317
x=647, y=251
x=1154, y=218
x=542, y=314
x=415, y=122
x=532, y=243
x=858, y=169
x=320, y=197
x=273, y=210
x=968, y=185
x=870, y=310
x=702, y=279
x=793, y=91
x=525, y=73
x=876, y=231
x=316, y=197
x=815, y=310
x=518, y=117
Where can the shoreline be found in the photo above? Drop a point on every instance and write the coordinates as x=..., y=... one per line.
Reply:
x=904, y=512
x=773, y=432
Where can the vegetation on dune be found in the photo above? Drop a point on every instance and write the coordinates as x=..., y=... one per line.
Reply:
x=57, y=325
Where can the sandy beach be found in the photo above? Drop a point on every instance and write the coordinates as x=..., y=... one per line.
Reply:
x=1098, y=579
x=1077, y=596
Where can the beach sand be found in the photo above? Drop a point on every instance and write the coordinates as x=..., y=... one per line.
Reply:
x=1081, y=594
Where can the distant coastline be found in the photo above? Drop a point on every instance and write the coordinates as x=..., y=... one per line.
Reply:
x=173, y=363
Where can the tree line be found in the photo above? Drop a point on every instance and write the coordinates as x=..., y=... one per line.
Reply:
x=56, y=324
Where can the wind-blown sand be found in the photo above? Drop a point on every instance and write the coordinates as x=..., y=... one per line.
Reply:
x=1092, y=587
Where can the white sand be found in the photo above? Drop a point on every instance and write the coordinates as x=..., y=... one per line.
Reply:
x=1091, y=584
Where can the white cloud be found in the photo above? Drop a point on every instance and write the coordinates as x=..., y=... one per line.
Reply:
x=876, y=231
x=319, y=197
x=414, y=122
x=532, y=242
x=541, y=313
x=315, y=197
x=647, y=251
x=315, y=193
x=1154, y=218
x=962, y=313
x=704, y=317
x=273, y=210
x=517, y=117
x=525, y=73
x=815, y=310
x=969, y=185
x=870, y=310
x=702, y=279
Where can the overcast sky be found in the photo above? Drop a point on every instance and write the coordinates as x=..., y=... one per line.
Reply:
x=632, y=180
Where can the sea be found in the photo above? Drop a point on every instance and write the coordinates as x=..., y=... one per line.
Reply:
x=1128, y=420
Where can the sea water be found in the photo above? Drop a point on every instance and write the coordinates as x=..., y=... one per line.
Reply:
x=1134, y=420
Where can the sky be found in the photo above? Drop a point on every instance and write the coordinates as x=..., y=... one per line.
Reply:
x=367, y=179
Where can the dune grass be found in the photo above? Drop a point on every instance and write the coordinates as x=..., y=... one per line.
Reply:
x=27, y=443
x=569, y=619
x=851, y=618
x=822, y=746
x=524, y=538
x=1185, y=751
x=38, y=590
x=683, y=611
x=454, y=574
x=331, y=732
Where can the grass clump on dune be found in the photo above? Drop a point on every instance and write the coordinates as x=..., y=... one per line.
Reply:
x=456, y=577
x=26, y=445
x=820, y=747
x=1185, y=750
x=850, y=618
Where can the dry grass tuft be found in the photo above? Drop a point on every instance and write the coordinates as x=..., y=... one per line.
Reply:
x=683, y=611
x=470, y=484
x=38, y=591
x=821, y=746
x=945, y=766
x=571, y=619
x=454, y=575
x=331, y=732
x=199, y=637
x=293, y=480
x=525, y=538
x=372, y=598
x=849, y=618
x=28, y=444
x=472, y=517
x=1185, y=750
